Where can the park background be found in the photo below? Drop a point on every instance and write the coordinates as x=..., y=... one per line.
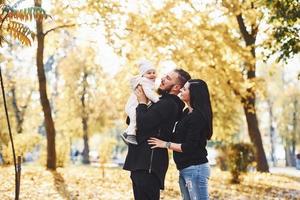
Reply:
x=66, y=67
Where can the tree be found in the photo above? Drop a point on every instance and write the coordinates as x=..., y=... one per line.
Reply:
x=248, y=28
x=19, y=110
x=220, y=52
x=159, y=34
x=288, y=122
x=105, y=152
x=10, y=26
x=273, y=73
x=284, y=15
x=89, y=92
x=11, y=22
x=18, y=103
x=49, y=123
x=19, y=99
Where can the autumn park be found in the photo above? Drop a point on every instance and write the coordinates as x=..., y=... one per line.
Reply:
x=65, y=71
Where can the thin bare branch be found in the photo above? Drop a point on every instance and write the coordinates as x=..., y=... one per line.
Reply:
x=68, y=26
x=59, y=27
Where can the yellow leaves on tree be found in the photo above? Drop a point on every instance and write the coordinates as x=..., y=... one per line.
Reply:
x=10, y=22
x=99, y=91
x=288, y=111
x=24, y=143
x=205, y=41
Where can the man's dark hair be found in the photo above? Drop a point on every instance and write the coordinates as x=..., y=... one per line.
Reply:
x=183, y=76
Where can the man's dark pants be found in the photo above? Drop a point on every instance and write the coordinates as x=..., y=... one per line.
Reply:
x=146, y=186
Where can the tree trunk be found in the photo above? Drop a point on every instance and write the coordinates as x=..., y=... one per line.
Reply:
x=19, y=118
x=290, y=160
x=272, y=135
x=253, y=128
x=19, y=113
x=249, y=100
x=290, y=144
x=49, y=124
x=293, y=151
x=255, y=137
x=86, y=150
x=293, y=154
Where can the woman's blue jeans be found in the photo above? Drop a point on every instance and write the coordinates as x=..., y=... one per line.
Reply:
x=193, y=182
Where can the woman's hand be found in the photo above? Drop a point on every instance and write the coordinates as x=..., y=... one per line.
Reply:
x=157, y=143
x=140, y=94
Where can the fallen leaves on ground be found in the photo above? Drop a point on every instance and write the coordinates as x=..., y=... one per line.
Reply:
x=88, y=183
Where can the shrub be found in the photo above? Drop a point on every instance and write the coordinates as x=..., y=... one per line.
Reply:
x=105, y=152
x=221, y=159
x=24, y=143
x=236, y=158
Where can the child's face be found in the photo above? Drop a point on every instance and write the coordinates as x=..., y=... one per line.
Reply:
x=150, y=74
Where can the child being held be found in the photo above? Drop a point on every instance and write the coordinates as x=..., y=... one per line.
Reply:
x=146, y=79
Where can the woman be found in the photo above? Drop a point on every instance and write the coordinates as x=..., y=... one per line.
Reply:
x=190, y=139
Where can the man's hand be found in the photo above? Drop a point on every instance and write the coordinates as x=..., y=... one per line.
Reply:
x=140, y=94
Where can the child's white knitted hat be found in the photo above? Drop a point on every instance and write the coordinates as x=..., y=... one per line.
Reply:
x=145, y=66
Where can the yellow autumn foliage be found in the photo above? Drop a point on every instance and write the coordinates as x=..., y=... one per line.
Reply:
x=24, y=143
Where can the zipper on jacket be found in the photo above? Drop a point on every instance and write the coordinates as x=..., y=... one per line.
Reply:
x=151, y=157
x=151, y=160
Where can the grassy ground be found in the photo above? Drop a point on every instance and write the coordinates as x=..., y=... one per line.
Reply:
x=85, y=182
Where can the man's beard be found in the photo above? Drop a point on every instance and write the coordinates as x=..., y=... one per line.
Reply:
x=164, y=91
x=161, y=92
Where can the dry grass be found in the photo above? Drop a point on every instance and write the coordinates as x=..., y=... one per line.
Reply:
x=85, y=182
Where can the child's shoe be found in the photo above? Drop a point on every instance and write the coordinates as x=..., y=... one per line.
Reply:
x=129, y=138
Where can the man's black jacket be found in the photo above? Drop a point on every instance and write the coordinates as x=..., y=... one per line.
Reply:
x=156, y=121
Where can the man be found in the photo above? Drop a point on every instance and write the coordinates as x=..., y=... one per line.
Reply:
x=149, y=166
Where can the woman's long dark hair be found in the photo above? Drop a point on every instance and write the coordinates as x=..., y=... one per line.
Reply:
x=200, y=101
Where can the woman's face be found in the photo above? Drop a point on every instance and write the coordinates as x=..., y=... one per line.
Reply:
x=185, y=93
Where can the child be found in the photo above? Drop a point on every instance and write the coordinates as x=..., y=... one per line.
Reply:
x=146, y=79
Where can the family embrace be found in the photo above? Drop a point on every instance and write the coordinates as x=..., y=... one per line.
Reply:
x=179, y=119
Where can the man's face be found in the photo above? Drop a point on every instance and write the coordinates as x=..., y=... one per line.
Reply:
x=168, y=82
